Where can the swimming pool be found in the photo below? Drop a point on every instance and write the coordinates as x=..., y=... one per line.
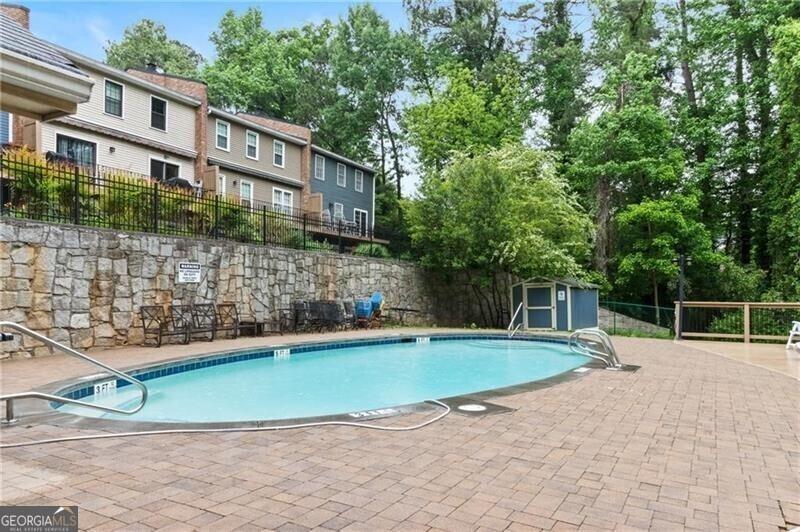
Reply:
x=319, y=380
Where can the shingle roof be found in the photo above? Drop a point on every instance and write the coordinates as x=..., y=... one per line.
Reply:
x=17, y=39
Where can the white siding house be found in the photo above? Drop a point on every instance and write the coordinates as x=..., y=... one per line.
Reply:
x=128, y=123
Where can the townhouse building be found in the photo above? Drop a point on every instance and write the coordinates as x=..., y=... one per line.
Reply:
x=160, y=125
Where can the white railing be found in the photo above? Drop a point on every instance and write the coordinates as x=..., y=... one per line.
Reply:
x=511, y=329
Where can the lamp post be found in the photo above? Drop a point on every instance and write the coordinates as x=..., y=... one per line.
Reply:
x=682, y=261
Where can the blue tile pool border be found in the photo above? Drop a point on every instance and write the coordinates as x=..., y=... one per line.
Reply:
x=86, y=389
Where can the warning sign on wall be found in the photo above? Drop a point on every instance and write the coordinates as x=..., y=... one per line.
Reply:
x=188, y=272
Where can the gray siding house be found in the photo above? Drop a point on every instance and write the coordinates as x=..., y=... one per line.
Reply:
x=346, y=188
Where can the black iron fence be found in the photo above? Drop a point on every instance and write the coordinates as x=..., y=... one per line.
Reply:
x=97, y=196
x=636, y=319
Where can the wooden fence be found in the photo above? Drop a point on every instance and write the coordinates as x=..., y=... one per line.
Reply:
x=736, y=320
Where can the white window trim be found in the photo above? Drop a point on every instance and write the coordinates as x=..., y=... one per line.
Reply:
x=355, y=178
x=341, y=165
x=162, y=160
x=216, y=135
x=335, y=205
x=122, y=98
x=319, y=163
x=166, y=113
x=258, y=142
x=252, y=190
x=355, y=218
x=275, y=144
x=283, y=192
x=222, y=178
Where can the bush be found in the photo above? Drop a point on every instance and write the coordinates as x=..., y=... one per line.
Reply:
x=372, y=250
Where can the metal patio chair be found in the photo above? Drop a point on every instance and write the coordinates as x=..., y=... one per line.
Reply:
x=227, y=318
x=204, y=320
x=155, y=322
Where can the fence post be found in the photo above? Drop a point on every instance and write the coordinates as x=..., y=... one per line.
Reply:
x=215, y=232
x=341, y=245
x=747, y=323
x=264, y=224
x=76, y=200
x=155, y=207
x=305, y=220
x=2, y=194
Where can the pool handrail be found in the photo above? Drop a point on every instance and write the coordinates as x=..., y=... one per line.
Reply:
x=511, y=329
x=608, y=356
x=10, y=398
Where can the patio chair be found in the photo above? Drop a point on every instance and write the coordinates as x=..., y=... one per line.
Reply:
x=204, y=320
x=363, y=313
x=794, y=333
x=302, y=321
x=349, y=315
x=316, y=315
x=377, y=309
x=155, y=322
x=227, y=318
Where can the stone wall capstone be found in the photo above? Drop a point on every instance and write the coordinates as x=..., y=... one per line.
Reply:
x=84, y=286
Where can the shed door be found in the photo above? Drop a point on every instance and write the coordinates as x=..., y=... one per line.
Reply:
x=539, y=307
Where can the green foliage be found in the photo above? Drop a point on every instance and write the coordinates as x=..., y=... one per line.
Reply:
x=466, y=116
x=503, y=211
x=651, y=235
x=147, y=42
x=372, y=250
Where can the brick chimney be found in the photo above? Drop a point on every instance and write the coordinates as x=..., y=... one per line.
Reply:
x=195, y=89
x=23, y=129
x=19, y=14
x=295, y=130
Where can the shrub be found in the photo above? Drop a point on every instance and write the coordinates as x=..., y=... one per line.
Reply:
x=372, y=250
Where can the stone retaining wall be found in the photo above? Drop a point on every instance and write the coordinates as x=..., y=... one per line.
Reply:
x=84, y=286
x=610, y=320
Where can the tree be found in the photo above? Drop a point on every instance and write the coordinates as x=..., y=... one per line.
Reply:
x=370, y=68
x=466, y=116
x=505, y=210
x=652, y=235
x=146, y=42
x=558, y=71
x=784, y=191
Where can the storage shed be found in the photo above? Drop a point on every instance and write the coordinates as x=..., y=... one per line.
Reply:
x=555, y=304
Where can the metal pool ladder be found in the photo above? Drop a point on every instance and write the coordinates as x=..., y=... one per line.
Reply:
x=10, y=398
x=511, y=329
x=596, y=344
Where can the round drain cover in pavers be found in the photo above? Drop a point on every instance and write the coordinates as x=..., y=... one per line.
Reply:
x=472, y=408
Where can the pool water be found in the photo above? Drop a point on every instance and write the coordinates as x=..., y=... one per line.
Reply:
x=338, y=381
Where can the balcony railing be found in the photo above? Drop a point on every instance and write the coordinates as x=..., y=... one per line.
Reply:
x=35, y=189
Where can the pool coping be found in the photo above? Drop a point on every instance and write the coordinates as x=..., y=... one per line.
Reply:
x=50, y=415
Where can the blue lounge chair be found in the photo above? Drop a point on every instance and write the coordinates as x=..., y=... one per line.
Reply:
x=363, y=312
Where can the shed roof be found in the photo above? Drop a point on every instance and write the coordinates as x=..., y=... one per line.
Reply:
x=569, y=281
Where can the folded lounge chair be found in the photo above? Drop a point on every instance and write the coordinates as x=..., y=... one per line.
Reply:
x=794, y=333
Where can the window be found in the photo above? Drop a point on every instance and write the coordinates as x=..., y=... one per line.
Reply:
x=113, y=104
x=341, y=175
x=319, y=167
x=360, y=217
x=222, y=185
x=359, y=181
x=251, y=148
x=164, y=171
x=282, y=200
x=277, y=154
x=338, y=212
x=79, y=151
x=158, y=113
x=246, y=192
x=223, y=133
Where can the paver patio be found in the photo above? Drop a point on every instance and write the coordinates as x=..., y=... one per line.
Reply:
x=691, y=440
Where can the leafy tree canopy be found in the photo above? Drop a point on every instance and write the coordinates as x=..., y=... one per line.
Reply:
x=146, y=42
